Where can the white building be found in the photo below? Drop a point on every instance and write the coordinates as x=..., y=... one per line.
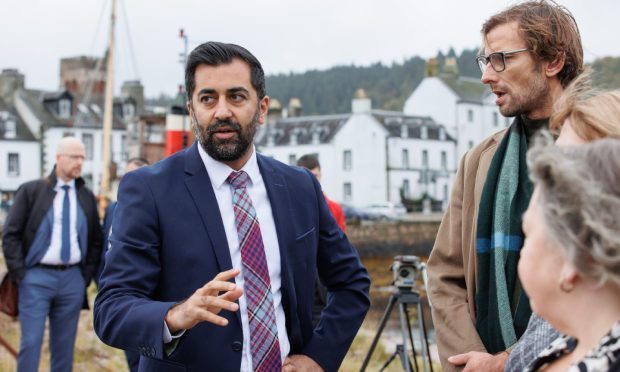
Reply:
x=50, y=116
x=464, y=105
x=368, y=156
x=19, y=151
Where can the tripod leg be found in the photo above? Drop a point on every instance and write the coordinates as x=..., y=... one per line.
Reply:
x=413, y=352
x=382, y=322
x=426, y=352
x=403, y=331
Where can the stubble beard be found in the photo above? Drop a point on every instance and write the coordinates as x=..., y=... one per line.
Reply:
x=531, y=98
x=229, y=149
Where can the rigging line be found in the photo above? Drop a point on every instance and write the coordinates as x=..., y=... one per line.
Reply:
x=131, y=48
x=92, y=74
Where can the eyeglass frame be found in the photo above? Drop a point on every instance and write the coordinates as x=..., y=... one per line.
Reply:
x=483, y=61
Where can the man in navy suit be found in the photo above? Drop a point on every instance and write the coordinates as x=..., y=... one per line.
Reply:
x=214, y=250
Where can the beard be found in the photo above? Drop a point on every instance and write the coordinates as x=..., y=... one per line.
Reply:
x=529, y=99
x=228, y=149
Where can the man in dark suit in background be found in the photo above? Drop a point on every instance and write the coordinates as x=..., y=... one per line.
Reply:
x=52, y=244
x=213, y=250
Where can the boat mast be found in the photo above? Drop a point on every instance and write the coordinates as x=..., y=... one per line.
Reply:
x=108, y=114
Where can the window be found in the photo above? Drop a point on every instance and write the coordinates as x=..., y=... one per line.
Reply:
x=442, y=134
x=405, y=158
x=470, y=116
x=154, y=133
x=8, y=125
x=495, y=119
x=347, y=160
x=406, y=188
x=13, y=168
x=67, y=134
x=292, y=159
x=124, y=155
x=87, y=139
x=444, y=160
x=348, y=192
x=424, y=159
x=129, y=110
x=423, y=132
x=404, y=131
x=64, y=108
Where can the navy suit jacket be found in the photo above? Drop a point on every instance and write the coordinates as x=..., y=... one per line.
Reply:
x=168, y=240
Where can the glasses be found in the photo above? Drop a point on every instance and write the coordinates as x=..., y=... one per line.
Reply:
x=497, y=60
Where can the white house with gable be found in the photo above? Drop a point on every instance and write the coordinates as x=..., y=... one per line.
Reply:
x=464, y=105
x=367, y=156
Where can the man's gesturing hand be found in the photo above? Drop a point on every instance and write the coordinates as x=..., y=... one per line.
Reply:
x=204, y=305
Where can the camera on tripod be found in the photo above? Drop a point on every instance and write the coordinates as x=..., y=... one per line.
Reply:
x=405, y=270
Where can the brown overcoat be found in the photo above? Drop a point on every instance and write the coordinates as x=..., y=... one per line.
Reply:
x=452, y=269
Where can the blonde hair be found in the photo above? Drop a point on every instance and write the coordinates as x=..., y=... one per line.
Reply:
x=593, y=114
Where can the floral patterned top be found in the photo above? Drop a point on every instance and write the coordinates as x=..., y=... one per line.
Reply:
x=605, y=357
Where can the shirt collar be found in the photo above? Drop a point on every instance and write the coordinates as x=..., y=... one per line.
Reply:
x=218, y=171
x=60, y=183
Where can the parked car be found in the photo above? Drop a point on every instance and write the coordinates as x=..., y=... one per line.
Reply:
x=356, y=215
x=389, y=211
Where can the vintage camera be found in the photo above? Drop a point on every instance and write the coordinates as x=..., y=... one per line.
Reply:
x=405, y=270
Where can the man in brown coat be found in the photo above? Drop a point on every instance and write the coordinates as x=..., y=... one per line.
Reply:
x=531, y=51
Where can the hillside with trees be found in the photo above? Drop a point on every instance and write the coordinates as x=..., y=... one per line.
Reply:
x=388, y=86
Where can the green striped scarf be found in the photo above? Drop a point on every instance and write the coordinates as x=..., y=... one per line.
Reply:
x=500, y=320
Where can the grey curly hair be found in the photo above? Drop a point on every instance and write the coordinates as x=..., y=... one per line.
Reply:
x=580, y=201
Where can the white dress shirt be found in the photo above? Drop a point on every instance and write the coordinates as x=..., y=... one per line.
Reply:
x=52, y=256
x=218, y=172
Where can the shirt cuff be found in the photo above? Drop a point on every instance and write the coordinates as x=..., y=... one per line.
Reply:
x=169, y=337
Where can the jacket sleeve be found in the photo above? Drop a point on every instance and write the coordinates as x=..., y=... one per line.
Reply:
x=447, y=289
x=347, y=281
x=95, y=237
x=13, y=233
x=125, y=315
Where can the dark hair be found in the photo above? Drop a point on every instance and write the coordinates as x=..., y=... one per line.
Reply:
x=140, y=162
x=550, y=32
x=214, y=53
x=309, y=161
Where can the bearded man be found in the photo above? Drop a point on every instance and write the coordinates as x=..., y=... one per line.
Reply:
x=214, y=249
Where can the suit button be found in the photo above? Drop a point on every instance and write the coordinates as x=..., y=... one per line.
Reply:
x=237, y=345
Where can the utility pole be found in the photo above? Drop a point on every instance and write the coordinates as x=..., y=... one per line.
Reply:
x=183, y=61
x=108, y=115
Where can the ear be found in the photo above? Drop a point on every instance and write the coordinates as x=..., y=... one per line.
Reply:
x=569, y=274
x=554, y=67
x=263, y=108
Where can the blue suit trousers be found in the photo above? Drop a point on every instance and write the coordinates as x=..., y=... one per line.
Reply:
x=55, y=294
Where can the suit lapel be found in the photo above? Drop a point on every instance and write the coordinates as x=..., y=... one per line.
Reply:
x=199, y=186
x=281, y=208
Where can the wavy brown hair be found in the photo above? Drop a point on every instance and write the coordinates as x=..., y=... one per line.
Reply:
x=550, y=32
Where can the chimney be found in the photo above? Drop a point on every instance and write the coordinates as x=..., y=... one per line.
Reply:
x=295, y=107
x=10, y=81
x=275, y=111
x=361, y=104
x=431, y=67
x=450, y=67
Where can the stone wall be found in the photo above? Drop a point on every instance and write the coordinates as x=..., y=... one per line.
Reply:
x=390, y=238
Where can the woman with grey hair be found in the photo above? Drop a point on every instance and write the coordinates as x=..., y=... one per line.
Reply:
x=570, y=261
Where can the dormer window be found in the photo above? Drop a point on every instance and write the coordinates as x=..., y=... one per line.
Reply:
x=129, y=110
x=424, y=132
x=8, y=125
x=442, y=134
x=404, y=131
x=64, y=108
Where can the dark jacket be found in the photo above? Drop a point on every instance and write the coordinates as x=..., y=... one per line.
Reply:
x=32, y=202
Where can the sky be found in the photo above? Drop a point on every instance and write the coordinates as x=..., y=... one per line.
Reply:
x=285, y=35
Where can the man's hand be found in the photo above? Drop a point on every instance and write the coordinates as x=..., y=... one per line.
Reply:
x=300, y=363
x=204, y=305
x=477, y=361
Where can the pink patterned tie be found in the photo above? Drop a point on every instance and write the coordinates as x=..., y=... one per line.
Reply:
x=264, y=344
